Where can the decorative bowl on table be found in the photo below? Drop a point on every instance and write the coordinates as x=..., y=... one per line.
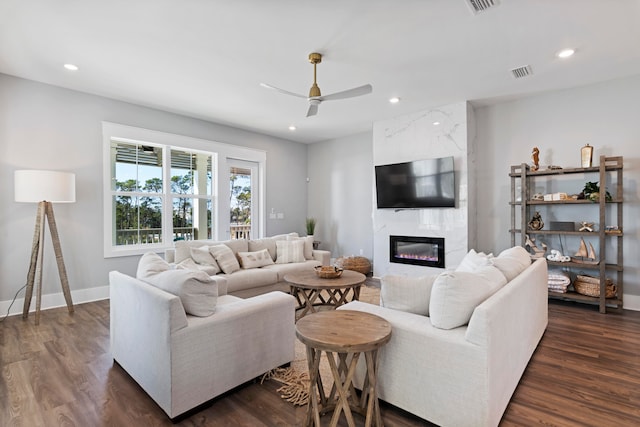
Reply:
x=328, y=271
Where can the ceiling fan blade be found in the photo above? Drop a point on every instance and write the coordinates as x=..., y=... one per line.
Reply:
x=286, y=92
x=313, y=110
x=350, y=93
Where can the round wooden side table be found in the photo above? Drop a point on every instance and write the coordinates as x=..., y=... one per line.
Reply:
x=312, y=291
x=343, y=335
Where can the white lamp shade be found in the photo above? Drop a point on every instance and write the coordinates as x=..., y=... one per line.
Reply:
x=50, y=186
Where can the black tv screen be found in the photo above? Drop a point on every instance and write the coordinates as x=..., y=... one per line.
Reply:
x=428, y=183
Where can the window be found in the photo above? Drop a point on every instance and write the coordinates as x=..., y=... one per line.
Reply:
x=160, y=188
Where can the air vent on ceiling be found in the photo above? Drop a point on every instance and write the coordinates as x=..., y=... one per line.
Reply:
x=478, y=6
x=521, y=72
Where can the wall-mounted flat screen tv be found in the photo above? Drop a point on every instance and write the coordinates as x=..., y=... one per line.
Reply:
x=428, y=183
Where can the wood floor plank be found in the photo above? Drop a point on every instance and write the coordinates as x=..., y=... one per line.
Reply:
x=585, y=372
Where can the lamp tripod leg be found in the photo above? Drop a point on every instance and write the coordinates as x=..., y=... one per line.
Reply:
x=62, y=271
x=35, y=246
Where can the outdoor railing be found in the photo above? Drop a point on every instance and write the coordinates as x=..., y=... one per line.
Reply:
x=240, y=231
x=154, y=235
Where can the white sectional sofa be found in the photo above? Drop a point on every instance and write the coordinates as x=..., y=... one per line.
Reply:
x=246, y=282
x=182, y=360
x=459, y=375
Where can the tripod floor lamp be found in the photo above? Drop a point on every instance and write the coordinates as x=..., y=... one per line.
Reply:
x=44, y=188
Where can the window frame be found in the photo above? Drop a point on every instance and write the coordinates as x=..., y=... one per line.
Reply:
x=222, y=154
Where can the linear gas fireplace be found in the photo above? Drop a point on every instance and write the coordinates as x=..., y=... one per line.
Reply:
x=424, y=251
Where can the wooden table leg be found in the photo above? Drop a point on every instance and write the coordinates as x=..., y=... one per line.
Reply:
x=342, y=387
x=373, y=405
x=313, y=411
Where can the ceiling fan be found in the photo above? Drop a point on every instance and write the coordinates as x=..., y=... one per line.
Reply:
x=315, y=98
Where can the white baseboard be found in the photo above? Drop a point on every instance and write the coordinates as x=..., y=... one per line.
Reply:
x=631, y=302
x=55, y=300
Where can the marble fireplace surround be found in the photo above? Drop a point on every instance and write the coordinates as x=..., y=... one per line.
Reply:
x=440, y=132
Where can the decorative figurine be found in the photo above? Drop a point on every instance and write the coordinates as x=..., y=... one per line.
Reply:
x=557, y=256
x=586, y=226
x=536, y=222
x=534, y=251
x=536, y=159
x=584, y=255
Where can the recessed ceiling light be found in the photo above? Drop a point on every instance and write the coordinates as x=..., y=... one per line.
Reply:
x=71, y=67
x=292, y=128
x=565, y=53
x=394, y=100
x=436, y=123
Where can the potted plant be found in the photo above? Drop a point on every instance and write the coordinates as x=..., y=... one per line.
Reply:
x=311, y=226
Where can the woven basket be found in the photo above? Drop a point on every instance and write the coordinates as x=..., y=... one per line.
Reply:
x=590, y=286
x=328, y=272
x=355, y=263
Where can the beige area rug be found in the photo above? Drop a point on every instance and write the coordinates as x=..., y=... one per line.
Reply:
x=295, y=378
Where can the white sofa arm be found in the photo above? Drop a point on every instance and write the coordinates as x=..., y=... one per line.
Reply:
x=142, y=320
x=323, y=256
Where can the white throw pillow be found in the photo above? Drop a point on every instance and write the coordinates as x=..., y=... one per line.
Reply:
x=308, y=245
x=151, y=263
x=197, y=291
x=512, y=261
x=202, y=256
x=190, y=264
x=410, y=294
x=255, y=259
x=225, y=258
x=456, y=294
x=289, y=251
x=473, y=260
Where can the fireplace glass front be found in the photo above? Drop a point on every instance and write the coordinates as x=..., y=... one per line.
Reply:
x=415, y=250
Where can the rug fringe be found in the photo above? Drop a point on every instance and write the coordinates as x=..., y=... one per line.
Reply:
x=295, y=385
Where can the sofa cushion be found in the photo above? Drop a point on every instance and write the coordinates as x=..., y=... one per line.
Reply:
x=151, y=263
x=237, y=245
x=409, y=294
x=183, y=250
x=308, y=245
x=225, y=258
x=251, y=278
x=190, y=264
x=267, y=243
x=474, y=260
x=513, y=261
x=289, y=251
x=203, y=257
x=456, y=294
x=197, y=291
x=255, y=259
x=284, y=236
x=284, y=269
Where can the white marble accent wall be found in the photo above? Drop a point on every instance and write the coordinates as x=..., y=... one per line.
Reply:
x=415, y=137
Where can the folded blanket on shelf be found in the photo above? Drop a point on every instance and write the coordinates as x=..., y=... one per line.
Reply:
x=558, y=281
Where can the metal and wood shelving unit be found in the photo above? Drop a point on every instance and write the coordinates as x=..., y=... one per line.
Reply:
x=610, y=177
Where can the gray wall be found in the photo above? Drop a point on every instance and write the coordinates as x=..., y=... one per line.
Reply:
x=47, y=127
x=605, y=115
x=340, y=196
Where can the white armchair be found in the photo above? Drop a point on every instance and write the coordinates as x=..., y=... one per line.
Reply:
x=183, y=361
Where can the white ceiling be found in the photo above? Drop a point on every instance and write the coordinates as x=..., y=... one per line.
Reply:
x=206, y=58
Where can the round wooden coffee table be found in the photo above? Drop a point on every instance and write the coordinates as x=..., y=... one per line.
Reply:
x=347, y=333
x=311, y=291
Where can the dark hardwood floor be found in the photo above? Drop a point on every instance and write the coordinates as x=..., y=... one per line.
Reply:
x=585, y=372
